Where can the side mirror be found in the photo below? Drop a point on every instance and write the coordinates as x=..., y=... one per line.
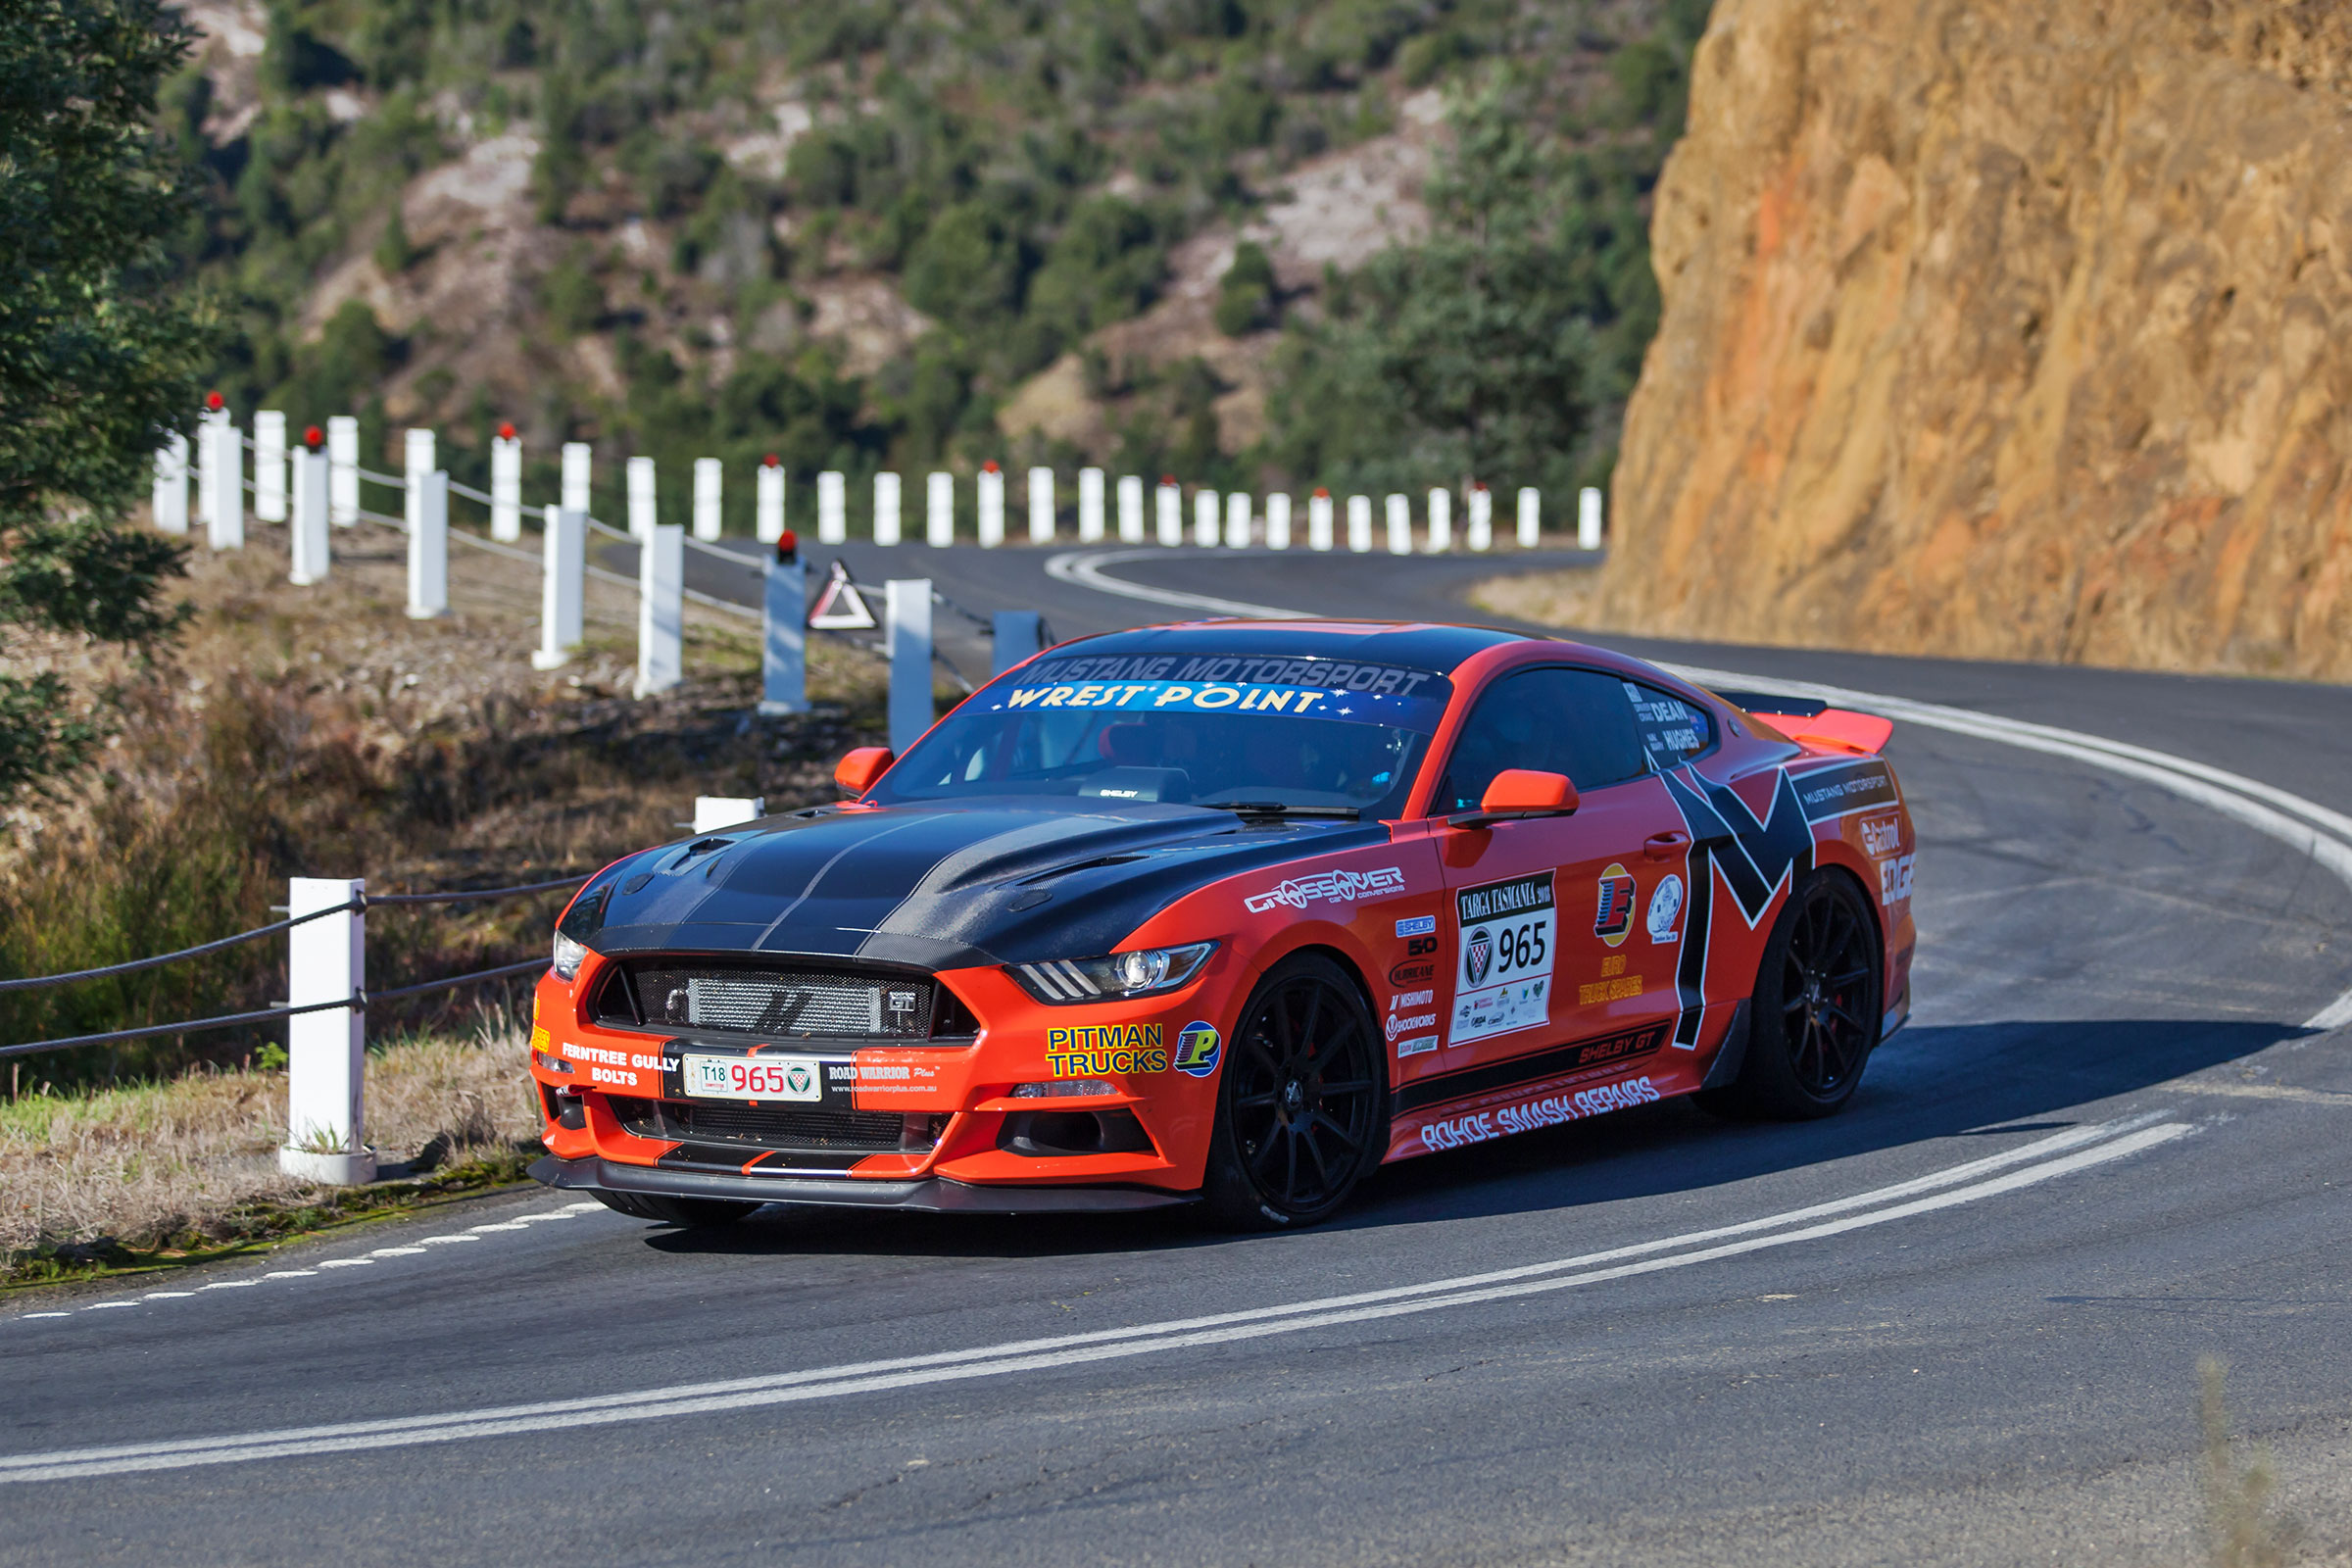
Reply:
x=1519, y=793
x=857, y=773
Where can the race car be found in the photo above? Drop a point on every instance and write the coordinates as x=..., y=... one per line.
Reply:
x=1229, y=914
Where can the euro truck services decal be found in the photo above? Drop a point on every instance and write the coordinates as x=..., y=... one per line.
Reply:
x=1502, y=971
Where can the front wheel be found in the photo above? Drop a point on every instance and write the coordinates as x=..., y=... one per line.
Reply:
x=689, y=1213
x=1813, y=1020
x=1302, y=1103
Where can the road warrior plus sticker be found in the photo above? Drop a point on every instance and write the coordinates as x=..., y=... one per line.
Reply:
x=1502, y=980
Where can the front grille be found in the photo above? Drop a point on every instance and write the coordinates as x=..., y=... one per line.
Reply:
x=785, y=1127
x=665, y=993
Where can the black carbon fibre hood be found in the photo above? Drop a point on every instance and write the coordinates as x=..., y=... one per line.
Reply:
x=994, y=881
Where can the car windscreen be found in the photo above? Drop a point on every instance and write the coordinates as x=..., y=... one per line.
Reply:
x=1184, y=728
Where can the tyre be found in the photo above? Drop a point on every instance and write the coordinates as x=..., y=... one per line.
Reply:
x=1301, y=1101
x=690, y=1213
x=1814, y=1018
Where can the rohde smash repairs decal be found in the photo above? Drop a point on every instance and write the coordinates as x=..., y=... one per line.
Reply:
x=1547, y=1110
x=1502, y=980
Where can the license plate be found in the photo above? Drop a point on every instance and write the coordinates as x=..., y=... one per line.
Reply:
x=752, y=1077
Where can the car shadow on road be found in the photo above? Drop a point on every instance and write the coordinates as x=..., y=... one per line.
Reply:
x=1927, y=1083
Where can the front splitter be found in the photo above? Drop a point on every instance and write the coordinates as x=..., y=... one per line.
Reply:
x=930, y=1196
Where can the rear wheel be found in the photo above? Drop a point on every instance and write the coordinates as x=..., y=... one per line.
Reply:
x=692, y=1213
x=1302, y=1103
x=1814, y=1018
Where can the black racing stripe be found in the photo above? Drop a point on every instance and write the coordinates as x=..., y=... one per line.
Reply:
x=1690, y=978
x=1604, y=1051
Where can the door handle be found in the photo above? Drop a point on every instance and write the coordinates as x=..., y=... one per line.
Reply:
x=1658, y=846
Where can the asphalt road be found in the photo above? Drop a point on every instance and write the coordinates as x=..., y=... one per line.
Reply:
x=2113, y=1148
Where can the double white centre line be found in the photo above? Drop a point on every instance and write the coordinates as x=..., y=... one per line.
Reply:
x=2029, y=1165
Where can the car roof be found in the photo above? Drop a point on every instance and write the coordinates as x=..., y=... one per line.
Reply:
x=1415, y=645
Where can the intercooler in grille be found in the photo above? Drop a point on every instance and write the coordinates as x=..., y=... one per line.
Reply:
x=774, y=1003
x=786, y=1127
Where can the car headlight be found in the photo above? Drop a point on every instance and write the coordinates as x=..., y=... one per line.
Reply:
x=1113, y=977
x=569, y=956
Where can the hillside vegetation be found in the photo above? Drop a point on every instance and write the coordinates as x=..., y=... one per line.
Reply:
x=1376, y=242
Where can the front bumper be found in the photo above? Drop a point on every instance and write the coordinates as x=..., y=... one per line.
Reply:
x=932, y=1195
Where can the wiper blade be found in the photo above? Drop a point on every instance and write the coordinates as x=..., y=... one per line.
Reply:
x=1281, y=809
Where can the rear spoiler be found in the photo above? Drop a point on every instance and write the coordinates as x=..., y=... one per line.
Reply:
x=1816, y=726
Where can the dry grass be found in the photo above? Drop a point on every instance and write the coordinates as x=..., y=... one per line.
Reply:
x=2241, y=1530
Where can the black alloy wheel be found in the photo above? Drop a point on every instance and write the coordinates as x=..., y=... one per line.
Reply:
x=688, y=1213
x=1302, y=1103
x=1814, y=1018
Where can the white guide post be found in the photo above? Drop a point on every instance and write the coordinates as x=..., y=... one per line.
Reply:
x=832, y=508
x=579, y=467
x=1168, y=500
x=309, y=527
x=1040, y=505
x=1441, y=521
x=784, y=636
x=209, y=421
x=326, y=1052
x=269, y=466
x=1205, y=517
x=342, y=470
x=564, y=574
x=1359, y=523
x=1278, y=521
x=644, y=514
x=1531, y=516
x=886, y=509
x=909, y=637
x=1318, y=520
x=939, y=510
x=992, y=505
x=662, y=609
x=1588, y=518
x=1480, y=534
x=1131, y=509
x=171, y=499
x=768, y=505
x=417, y=461
x=506, y=488
x=1237, y=520
x=708, y=475
x=1019, y=635
x=1400, y=526
x=428, y=547
x=1089, y=505
x=711, y=812
x=226, y=518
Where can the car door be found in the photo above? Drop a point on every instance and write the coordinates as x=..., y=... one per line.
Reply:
x=1565, y=928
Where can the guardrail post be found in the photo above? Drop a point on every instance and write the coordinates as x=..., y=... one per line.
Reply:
x=1400, y=526
x=1318, y=520
x=784, y=636
x=1018, y=634
x=909, y=602
x=708, y=475
x=326, y=1052
x=767, y=506
x=886, y=509
x=661, y=610
x=1359, y=523
x=1482, y=518
x=1441, y=521
x=1205, y=517
x=1278, y=521
x=711, y=812
x=1131, y=509
x=417, y=461
x=1237, y=520
x=207, y=423
x=308, y=536
x=564, y=555
x=939, y=510
x=171, y=499
x=1089, y=505
x=1168, y=499
x=644, y=514
x=1588, y=518
x=225, y=518
x=342, y=470
x=506, y=485
x=1040, y=505
x=579, y=468
x=428, y=546
x=269, y=466
x=991, y=499
x=832, y=508
x=1531, y=516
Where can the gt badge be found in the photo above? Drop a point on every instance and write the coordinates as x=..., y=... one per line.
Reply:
x=1197, y=1048
x=1665, y=908
x=1615, y=916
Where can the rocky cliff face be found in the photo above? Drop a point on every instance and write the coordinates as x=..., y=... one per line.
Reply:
x=2002, y=328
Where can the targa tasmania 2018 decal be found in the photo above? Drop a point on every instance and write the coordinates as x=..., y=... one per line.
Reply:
x=1506, y=937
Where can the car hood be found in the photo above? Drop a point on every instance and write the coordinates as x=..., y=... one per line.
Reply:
x=938, y=886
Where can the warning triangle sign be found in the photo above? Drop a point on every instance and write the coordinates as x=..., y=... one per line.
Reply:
x=841, y=606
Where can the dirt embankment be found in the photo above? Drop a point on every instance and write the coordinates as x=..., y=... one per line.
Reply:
x=2000, y=328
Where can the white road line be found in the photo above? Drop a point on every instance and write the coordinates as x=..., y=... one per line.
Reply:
x=1086, y=569
x=1032, y=1355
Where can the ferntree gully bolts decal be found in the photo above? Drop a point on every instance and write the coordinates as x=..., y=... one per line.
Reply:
x=1329, y=887
x=1503, y=979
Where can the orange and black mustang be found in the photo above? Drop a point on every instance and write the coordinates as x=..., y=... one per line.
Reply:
x=1230, y=913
